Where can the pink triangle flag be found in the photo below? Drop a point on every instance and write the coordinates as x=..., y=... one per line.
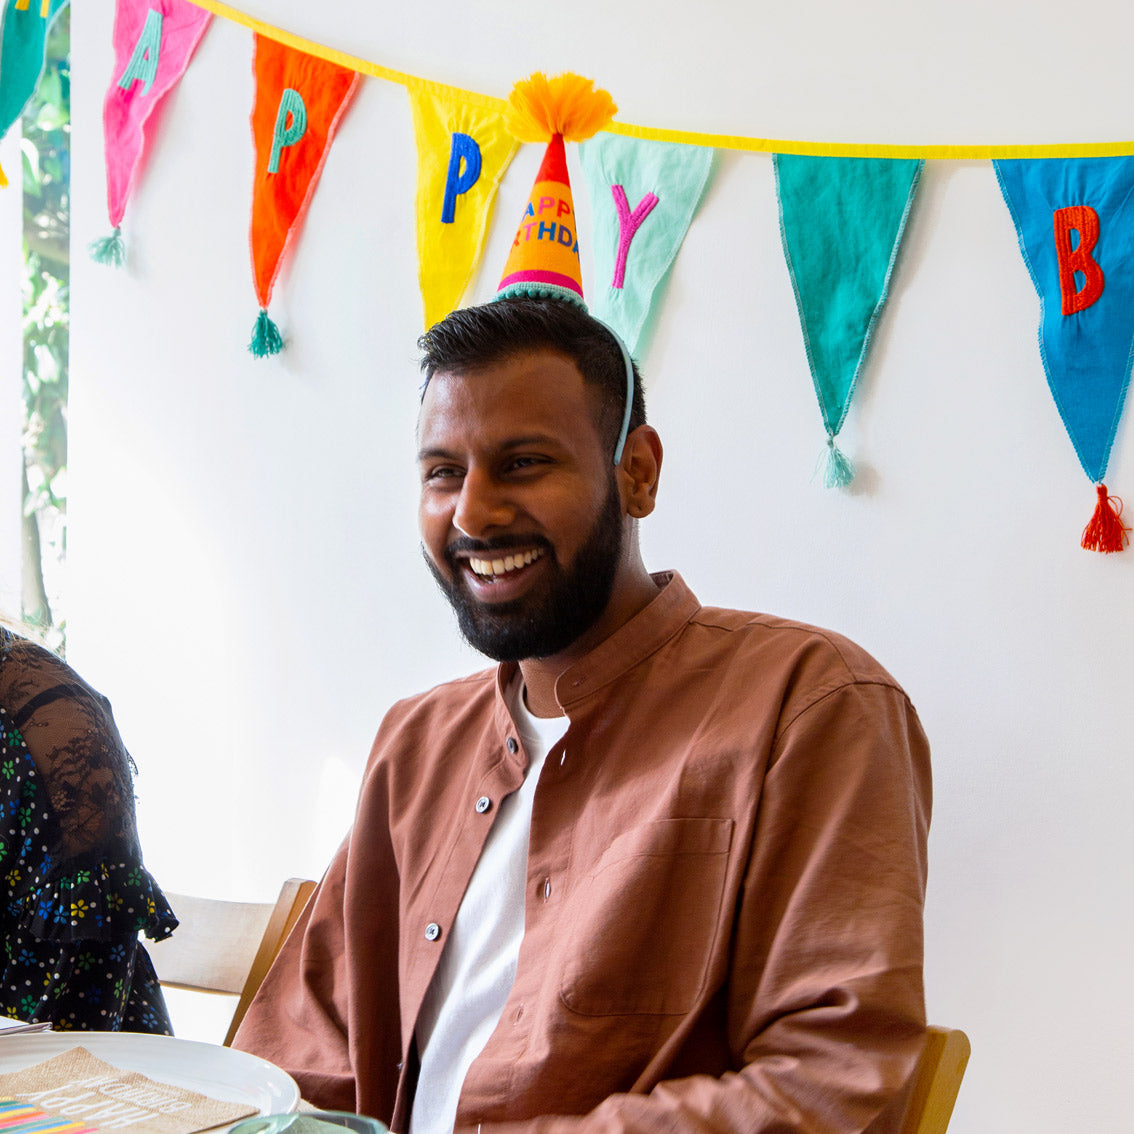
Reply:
x=153, y=43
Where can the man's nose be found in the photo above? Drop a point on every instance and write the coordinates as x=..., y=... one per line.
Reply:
x=482, y=506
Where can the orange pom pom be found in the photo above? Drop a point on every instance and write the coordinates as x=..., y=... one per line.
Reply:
x=539, y=108
x=1106, y=532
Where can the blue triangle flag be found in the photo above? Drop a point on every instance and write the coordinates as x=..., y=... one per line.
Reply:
x=1075, y=221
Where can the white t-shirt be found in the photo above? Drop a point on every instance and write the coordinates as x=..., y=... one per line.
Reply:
x=478, y=961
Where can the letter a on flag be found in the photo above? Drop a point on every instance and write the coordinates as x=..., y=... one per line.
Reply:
x=1075, y=221
x=643, y=197
x=463, y=149
x=22, y=45
x=841, y=220
x=153, y=43
x=300, y=100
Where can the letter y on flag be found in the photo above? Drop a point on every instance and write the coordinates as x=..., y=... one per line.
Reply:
x=643, y=197
x=1075, y=221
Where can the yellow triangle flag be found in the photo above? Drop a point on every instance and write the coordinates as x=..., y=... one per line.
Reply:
x=462, y=152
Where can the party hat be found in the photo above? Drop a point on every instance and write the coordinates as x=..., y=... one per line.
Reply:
x=544, y=260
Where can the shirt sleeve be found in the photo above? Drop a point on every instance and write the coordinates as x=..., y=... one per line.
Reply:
x=824, y=1006
x=298, y=1019
x=327, y=1012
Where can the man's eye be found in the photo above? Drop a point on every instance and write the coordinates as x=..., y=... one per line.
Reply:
x=442, y=472
x=526, y=462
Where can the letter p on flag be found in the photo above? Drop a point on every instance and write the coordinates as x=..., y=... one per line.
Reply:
x=1084, y=221
x=287, y=134
x=466, y=152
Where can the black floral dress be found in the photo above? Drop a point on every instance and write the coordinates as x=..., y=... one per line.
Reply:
x=74, y=894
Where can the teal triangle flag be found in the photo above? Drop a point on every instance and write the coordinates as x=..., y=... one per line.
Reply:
x=841, y=221
x=22, y=44
x=643, y=197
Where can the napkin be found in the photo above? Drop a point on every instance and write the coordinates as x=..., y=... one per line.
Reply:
x=77, y=1085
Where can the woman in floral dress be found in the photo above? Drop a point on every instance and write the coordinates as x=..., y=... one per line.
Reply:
x=74, y=893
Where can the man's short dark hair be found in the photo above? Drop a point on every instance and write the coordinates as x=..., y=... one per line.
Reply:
x=473, y=337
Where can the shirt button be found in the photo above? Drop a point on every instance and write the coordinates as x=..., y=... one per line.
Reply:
x=511, y=745
x=432, y=931
x=483, y=804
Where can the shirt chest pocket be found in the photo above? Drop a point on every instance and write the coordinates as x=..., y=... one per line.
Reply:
x=643, y=924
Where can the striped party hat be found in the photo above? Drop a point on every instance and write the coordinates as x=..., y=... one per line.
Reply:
x=544, y=260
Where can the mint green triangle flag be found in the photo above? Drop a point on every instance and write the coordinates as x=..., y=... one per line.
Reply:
x=643, y=197
x=22, y=43
x=842, y=221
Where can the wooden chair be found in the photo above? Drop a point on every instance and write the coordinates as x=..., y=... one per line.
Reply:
x=227, y=947
x=936, y=1082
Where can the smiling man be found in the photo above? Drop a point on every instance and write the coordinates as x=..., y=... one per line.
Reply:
x=660, y=868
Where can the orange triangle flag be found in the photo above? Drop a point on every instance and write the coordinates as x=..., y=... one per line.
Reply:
x=299, y=102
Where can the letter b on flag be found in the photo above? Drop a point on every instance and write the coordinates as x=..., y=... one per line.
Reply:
x=1084, y=222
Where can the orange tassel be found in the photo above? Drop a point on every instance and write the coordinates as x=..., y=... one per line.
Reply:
x=567, y=105
x=1106, y=532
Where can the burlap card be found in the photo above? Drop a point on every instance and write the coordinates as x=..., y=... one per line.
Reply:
x=76, y=1084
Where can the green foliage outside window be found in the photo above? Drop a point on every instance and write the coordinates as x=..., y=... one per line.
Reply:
x=46, y=150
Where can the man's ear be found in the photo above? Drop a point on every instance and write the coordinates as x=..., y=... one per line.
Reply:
x=639, y=471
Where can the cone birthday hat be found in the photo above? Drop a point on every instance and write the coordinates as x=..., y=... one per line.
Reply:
x=544, y=260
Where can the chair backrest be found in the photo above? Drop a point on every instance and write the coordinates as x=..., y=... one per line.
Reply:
x=227, y=947
x=936, y=1082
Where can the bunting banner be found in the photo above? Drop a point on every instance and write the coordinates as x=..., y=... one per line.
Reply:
x=463, y=150
x=153, y=43
x=843, y=206
x=1075, y=223
x=841, y=221
x=299, y=102
x=23, y=41
x=643, y=197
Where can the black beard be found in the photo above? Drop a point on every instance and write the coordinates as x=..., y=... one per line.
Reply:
x=539, y=625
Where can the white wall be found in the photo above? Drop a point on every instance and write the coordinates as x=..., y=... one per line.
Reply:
x=246, y=583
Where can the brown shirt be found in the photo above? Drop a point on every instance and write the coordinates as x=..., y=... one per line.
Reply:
x=726, y=872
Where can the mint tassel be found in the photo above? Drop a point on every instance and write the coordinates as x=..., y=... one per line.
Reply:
x=266, y=338
x=108, y=249
x=838, y=471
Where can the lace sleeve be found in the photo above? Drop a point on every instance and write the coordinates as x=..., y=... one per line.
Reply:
x=72, y=738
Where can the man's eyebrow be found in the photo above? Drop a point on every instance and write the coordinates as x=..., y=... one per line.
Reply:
x=435, y=452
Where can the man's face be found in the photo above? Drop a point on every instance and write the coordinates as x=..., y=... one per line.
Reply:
x=520, y=514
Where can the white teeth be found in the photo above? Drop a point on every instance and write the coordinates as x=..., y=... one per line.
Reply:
x=493, y=567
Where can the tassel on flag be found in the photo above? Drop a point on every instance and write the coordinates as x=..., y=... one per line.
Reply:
x=1074, y=218
x=300, y=100
x=1106, y=532
x=842, y=221
x=23, y=42
x=643, y=197
x=463, y=149
x=153, y=43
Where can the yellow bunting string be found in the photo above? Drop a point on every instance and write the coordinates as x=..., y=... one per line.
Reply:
x=685, y=137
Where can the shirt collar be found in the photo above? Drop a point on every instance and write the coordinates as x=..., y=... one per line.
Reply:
x=653, y=626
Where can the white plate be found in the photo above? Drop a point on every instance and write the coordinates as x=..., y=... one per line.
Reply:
x=219, y=1072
